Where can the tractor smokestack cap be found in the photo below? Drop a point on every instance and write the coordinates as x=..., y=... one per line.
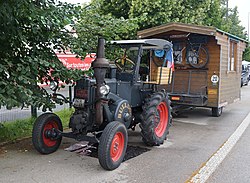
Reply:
x=100, y=61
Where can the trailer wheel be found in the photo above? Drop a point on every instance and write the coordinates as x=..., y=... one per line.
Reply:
x=156, y=119
x=44, y=139
x=216, y=111
x=113, y=145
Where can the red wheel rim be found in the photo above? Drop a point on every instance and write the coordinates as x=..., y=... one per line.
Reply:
x=163, y=121
x=48, y=126
x=117, y=146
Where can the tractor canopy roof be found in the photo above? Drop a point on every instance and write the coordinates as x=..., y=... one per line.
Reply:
x=146, y=43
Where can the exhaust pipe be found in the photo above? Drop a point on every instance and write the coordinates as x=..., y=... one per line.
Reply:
x=100, y=65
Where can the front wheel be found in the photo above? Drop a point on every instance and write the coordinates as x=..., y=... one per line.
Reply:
x=113, y=145
x=156, y=119
x=44, y=138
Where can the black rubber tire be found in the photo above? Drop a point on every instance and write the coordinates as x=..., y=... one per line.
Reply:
x=200, y=53
x=104, y=149
x=216, y=111
x=39, y=141
x=149, y=120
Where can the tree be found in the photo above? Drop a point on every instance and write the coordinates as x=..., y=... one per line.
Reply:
x=214, y=14
x=98, y=25
x=32, y=29
x=194, y=11
x=153, y=13
x=120, y=8
x=30, y=32
x=246, y=54
x=233, y=23
x=230, y=22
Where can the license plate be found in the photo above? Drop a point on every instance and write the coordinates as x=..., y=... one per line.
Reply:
x=78, y=102
x=82, y=93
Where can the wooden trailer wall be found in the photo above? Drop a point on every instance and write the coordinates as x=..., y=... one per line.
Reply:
x=229, y=90
x=213, y=68
x=219, y=47
x=201, y=78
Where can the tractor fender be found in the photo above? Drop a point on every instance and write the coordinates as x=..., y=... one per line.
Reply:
x=121, y=111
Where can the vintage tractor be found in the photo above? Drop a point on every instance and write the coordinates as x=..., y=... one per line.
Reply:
x=122, y=94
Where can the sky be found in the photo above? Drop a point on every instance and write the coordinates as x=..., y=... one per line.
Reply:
x=243, y=9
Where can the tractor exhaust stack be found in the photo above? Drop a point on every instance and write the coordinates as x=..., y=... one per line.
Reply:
x=100, y=65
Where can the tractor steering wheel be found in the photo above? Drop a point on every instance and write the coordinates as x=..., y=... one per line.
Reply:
x=124, y=64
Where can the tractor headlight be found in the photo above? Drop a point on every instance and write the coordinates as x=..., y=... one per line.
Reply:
x=104, y=90
x=53, y=85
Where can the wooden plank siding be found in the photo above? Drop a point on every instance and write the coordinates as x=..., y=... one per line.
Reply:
x=227, y=90
x=189, y=81
x=229, y=84
x=213, y=68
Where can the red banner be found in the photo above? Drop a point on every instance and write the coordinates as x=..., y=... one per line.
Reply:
x=71, y=62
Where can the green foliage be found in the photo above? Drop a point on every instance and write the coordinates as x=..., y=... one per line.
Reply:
x=214, y=14
x=153, y=13
x=11, y=131
x=98, y=25
x=65, y=116
x=158, y=12
x=246, y=54
x=30, y=32
x=194, y=11
x=120, y=8
x=231, y=23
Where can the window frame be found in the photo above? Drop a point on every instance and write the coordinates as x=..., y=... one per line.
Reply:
x=232, y=55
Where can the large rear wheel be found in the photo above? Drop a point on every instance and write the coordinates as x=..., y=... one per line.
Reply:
x=44, y=138
x=113, y=145
x=156, y=119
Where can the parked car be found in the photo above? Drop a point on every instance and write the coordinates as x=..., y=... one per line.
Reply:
x=245, y=73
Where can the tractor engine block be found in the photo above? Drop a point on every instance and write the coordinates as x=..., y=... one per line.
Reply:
x=78, y=122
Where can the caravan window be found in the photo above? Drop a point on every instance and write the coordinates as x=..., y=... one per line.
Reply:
x=232, y=61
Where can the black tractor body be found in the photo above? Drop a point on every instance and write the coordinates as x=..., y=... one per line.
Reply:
x=122, y=94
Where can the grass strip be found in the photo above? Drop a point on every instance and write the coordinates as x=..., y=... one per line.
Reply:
x=18, y=129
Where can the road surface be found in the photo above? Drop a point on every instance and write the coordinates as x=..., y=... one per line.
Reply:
x=194, y=139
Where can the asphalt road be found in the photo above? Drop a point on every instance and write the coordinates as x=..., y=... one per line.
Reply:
x=194, y=137
x=236, y=166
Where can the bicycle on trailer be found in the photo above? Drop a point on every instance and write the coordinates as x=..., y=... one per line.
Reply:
x=193, y=51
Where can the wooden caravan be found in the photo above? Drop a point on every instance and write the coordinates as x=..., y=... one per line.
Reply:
x=207, y=65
